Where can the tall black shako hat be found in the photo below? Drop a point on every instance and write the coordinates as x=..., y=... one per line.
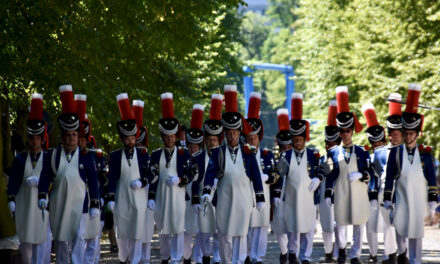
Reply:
x=168, y=124
x=68, y=120
x=127, y=125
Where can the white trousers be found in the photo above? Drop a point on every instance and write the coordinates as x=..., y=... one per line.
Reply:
x=37, y=253
x=130, y=249
x=172, y=246
x=282, y=242
x=232, y=248
x=146, y=253
x=257, y=243
x=356, y=244
x=93, y=248
x=77, y=245
x=305, y=244
x=415, y=248
x=389, y=240
x=197, y=248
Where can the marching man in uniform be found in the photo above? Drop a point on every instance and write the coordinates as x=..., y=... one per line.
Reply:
x=194, y=142
x=213, y=133
x=300, y=166
x=260, y=220
x=376, y=223
x=349, y=179
x=279, y=226
x=142, y=144
x=410, y=174
x=326, y=213
x=73, y=174
x=170, y=172
x=127, y=179
x=234, y=165
x=31, y=222
x=93, y=228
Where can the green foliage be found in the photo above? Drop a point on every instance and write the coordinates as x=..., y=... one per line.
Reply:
x=104, y=48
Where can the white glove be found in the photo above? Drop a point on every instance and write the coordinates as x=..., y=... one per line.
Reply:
x=136, y=184
x=260, y=206
x=11, y=206
x=214, y=187
x=373, y=204
x=196, y=208
x=173, y=180
x=111, y=205
x=328, y=200
x=206, y=197
x=276, y=201
x=32, y=181
x=151, y=205
x=354, y=176
x=264, y=177
x=42, y=203
x=314, y=184
x=388, y=205
x=94, y=212
x=102, y=202
x=432, y=206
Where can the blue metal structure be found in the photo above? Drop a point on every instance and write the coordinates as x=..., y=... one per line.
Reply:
x=249, y=81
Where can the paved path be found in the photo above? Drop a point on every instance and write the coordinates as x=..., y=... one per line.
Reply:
x=431, y=248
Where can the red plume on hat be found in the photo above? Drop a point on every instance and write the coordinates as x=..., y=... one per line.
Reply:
x=297, y=106
x=393, y=107
x=254, y=105
x=36, y=110
x=215, y=113
x=412, y=99
x=124, y=107
x=81, y=106
x=370, y=114
x=167, y=105
x=343, y=107
x=283, y=119
x=197, y=116
x=231, y=98
x=138, y=111
x=66, y=95
x=332, y=111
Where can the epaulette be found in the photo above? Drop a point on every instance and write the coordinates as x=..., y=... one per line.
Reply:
x=316, y=153
x=265, y=152
x=197, y=153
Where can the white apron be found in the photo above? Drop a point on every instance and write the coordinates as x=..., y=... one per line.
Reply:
x=67, y=198
x=149, y=222
x=300, y=207
x=170, y=200
x=31, y=228
x=206, y=220
x=130, y=205
x=261, y=218
x=190, y=216
x=234, y=198
x=411, y=198
x=326, y=215
x=350, y=199
x=93, y=227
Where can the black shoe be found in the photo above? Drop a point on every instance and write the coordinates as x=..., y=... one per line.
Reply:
x=355, y=261
x=114, y=249
x=342, y=256
x=259, y=262
x=392, y=259
x=402, y=258
x=187, y=261
x=248, y=260
x=216, y=262
x=206, y=260
x=305, y=262
x=293, y=259
x=372, y=259
x=329, y=258
x=283, y=258
x=165, y=261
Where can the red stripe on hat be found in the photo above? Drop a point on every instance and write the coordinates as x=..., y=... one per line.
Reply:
x=81, y=106
x=393, y=107
x=342, y=99
x=332, y=111
x=254, y=106
x=197, y=117
x=412, y=98
x=231, y=101
x=370, y=115
x=297, y=107
x=125, y=107
x=36, y=111
x=215, y=113
x=138, y=111
x=67, y=102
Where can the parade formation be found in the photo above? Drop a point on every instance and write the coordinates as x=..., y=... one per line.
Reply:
x=214, y=195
